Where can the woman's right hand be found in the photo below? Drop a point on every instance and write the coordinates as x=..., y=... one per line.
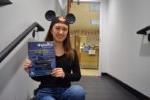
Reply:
x=27, y=63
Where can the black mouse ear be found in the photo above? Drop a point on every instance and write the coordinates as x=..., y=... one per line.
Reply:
x=50, y=15
x=70, y=18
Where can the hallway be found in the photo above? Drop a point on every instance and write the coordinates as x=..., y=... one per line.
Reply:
x=104, y=88
x=123, y=50
x=89, y=72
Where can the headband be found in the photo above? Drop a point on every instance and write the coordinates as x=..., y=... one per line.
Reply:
x=51, y=16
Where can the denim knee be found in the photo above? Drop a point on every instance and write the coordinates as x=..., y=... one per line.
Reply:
x=47, y=98
x=75, y=92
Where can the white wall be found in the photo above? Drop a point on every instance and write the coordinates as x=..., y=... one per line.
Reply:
x=124, y=54
x=14, y=19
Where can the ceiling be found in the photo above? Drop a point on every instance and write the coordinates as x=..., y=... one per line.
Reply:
x=84, y=14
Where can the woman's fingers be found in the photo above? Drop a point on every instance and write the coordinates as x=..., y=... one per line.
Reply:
x=58, y=72
x=27, y=63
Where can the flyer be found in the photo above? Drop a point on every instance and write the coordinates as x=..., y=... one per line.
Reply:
x=42, y=55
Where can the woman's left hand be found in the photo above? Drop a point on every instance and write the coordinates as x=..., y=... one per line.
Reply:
x=58, y=72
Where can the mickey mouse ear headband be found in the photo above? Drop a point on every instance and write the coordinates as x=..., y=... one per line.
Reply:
x=51, y=16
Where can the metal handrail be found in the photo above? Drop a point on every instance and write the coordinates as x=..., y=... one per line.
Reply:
x=5, y=52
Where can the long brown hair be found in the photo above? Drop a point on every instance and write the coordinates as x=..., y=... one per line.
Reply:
x=66, y=43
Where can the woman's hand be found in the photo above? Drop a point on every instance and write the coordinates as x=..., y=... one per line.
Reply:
x=58, y=72
x=27, y=63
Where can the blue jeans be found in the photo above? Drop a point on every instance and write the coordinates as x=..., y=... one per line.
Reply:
x=74, y=92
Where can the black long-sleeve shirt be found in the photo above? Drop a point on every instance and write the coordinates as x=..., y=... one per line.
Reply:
x=72, y=73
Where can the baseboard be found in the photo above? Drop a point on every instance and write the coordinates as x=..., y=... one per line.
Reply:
x=130, y=89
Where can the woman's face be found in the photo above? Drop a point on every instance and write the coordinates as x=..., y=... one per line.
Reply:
x=59, y=32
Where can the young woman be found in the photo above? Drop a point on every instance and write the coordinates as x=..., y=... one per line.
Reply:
x=57, y=85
